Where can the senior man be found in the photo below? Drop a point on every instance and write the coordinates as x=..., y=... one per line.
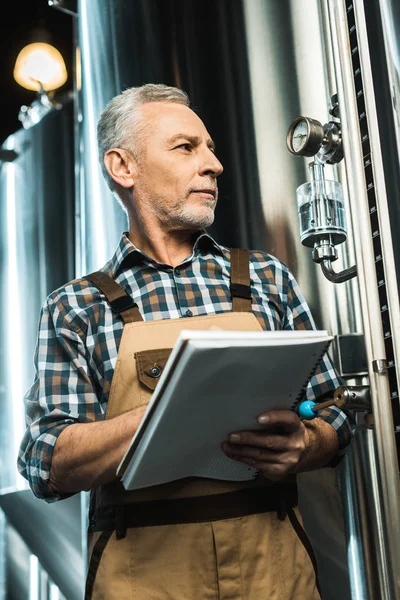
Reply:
x=100, y=335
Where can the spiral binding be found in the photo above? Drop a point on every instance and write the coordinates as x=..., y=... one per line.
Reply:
x=303, y=390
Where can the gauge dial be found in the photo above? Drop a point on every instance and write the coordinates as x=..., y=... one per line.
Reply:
x=300, y=136
x=305, y=136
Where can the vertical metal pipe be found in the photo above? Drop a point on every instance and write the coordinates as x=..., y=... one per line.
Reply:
x=378, y=379
x=364, y=517
x=380, y=185
x=346, y=312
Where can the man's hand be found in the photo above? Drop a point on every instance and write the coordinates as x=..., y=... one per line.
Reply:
x=275, y=450
x=284, y=446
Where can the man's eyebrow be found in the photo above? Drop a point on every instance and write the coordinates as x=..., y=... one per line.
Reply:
x=193, y=139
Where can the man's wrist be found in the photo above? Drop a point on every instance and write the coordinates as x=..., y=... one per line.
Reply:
x=321, y=444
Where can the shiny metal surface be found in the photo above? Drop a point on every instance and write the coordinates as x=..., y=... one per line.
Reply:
x=321, y=505
x=386, y=456
x=17, y=572
x=52, y=533
x=366, y=526
x=101, y=217
x=346, y=305
x=278, y=96
x=390, y=18
x=288, y=80
x=382, y=24
x=335, y=276
x=36, y=256
x=378, y=147
x=390, y=10
x=23, y=576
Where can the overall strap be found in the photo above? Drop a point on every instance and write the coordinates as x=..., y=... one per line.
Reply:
x=240, y=280
x=119, y=301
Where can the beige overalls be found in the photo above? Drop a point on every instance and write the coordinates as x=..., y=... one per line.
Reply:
x=194, y=539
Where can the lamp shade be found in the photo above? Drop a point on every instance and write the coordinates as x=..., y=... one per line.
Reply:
x=40, y=65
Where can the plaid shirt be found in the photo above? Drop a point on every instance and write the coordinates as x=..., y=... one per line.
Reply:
x=79, y=337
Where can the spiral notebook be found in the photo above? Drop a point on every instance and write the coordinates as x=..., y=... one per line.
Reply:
x=216, y=382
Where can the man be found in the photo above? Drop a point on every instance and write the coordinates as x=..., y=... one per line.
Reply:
x=101, y=346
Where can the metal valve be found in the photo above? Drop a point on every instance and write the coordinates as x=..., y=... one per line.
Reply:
x=357, y=398
x=320, y=201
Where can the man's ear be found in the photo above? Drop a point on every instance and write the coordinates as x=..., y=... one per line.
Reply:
x=121, y=166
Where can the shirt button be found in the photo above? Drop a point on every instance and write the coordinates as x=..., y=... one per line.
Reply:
x=189, y=313
x=177, y=271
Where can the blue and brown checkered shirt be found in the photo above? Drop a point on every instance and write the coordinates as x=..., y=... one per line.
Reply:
x=79, y=337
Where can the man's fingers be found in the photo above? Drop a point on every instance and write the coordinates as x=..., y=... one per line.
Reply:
x=271, y=463
x=254, y=453
x=286, y=421
x=261, y=439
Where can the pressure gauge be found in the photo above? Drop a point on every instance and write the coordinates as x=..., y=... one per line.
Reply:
x=305, y=136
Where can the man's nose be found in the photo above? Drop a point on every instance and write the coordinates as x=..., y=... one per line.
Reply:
x=210, y=165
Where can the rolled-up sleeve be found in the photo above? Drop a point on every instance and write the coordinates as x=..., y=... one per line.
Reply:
x=325, y=379
x=62, y=394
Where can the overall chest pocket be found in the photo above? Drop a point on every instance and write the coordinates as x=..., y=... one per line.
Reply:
x=149, y=367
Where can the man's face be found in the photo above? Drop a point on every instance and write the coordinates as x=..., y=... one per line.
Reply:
x=177, y=169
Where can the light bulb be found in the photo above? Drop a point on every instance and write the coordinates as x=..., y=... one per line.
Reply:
x=40, y=66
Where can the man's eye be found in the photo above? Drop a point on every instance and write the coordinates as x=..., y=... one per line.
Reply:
x=185, y=146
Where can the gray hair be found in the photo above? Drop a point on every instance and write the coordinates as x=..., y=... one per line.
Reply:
x=119, y=124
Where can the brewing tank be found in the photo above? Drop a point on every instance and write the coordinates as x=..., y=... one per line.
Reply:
x=37, y=255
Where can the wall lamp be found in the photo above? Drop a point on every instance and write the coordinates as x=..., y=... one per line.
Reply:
x=39, y=67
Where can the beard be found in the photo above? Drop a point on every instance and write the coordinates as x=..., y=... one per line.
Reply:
x=192, y=218
x=184, y=216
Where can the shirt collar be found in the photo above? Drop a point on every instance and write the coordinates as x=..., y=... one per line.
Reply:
x=128, y=254
x=205, y=242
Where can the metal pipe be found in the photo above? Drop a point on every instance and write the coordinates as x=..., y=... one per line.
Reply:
x=363, y=511
x=380, y=185
x=348, y=309
x=340, y=277
x=386, y=455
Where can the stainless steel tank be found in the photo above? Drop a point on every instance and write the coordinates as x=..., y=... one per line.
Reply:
x=37, y=255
